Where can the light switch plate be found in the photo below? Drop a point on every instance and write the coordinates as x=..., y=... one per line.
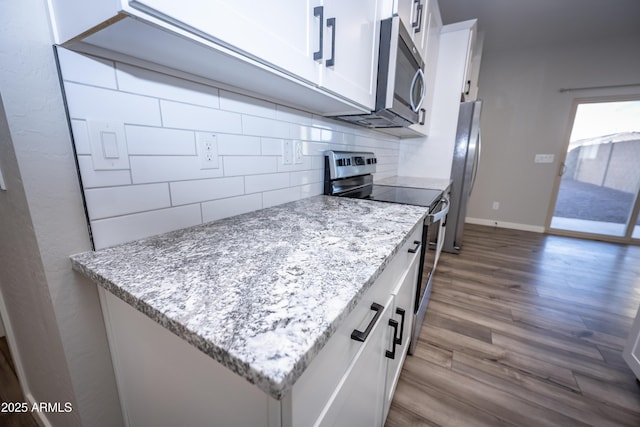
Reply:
x=108, y=145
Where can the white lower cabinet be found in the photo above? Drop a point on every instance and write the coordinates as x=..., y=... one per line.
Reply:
x=358, y=399
x=404, y=301
x=164, y=381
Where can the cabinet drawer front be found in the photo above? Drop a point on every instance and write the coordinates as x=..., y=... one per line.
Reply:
x=359, y=397
x=319, y=381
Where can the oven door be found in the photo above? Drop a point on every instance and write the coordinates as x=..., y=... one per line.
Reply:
x=430, y=246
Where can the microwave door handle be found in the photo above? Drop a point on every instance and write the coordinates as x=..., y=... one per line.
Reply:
x=419, y=74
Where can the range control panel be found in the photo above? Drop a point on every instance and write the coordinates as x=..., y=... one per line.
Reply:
x=345, y=164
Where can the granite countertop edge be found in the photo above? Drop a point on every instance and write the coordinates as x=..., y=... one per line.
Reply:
x=274, y=388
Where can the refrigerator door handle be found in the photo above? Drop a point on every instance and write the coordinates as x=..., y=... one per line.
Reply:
x=476, y=162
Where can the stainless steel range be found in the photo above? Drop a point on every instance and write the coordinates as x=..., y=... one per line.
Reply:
x=350, y=174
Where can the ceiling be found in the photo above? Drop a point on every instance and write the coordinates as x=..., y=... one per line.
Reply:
x=517, y=24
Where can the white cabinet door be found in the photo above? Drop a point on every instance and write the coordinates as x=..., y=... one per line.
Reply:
x=404, y=300
x=281, y=33
x=414, y=15
x=358, y=399
x=430, y=43
x=351, y=39
x=631, y=352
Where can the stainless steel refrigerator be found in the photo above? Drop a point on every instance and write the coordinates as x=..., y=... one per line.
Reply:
x=466, y=159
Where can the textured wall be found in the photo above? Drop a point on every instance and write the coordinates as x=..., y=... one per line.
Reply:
x=54, y=314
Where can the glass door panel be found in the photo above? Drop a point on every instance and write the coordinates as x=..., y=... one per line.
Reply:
x=601, y=175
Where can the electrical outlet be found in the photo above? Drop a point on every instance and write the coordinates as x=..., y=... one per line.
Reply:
x=495, y=206
x=287, y=152
x=297, y=152
x=207, y=150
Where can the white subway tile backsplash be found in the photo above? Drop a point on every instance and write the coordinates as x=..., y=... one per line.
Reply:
x=224, y=208
x=305, y=165
x=114, y=201
x=271, y=146
x=144, y=140
x=260, y=126
x=88, y=102
x=257, y=183
x=113, y=231
x=146, y=82
x=288, y=114
x=166, y=187
x=249, y=165
x=86, y=69
x=185, y=116
x=108, y=178
x=310, y=190
x=145, y=169
x=238, y=145
x=231, y=101
x=305, y=133
x=307, y=177
x=186, y=192
x=278, y=197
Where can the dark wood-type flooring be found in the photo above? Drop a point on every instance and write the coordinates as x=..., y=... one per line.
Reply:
x=10, y=391
x=525, y=329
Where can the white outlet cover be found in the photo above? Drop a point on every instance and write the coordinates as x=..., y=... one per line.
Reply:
x=208, y=150
x=108, y=145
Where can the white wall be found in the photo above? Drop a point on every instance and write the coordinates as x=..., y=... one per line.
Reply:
x=524, y=114
x=162, y=186
x=58, y=337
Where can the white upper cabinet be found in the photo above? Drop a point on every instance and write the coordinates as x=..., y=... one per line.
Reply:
x=350, y=53
x=316, y=55
x=281, y=33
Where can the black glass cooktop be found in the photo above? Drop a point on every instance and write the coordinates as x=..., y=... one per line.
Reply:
x=406, y=195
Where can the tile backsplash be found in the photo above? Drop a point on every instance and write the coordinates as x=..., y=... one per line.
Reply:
x=163, y=186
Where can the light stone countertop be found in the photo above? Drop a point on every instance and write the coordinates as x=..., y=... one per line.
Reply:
x=415, y=182
x=261, y=292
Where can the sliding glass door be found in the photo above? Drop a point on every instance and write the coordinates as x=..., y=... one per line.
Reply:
x=597, y=193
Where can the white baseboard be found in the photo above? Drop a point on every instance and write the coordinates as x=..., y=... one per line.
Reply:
x=504, y=224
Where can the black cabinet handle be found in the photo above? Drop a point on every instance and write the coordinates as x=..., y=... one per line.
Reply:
x=414, y=24
x=466, y=92
x=318, y=12
x=418, y=22
x=401, y=312
x=362, y=335
x=415, y=249
x=392, y=354
x=423, y=116
x=331, y=22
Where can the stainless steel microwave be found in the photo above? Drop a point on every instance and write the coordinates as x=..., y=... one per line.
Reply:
x=401, y=86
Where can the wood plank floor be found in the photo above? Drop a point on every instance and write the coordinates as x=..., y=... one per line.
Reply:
x=10, y=391
x=525, y=329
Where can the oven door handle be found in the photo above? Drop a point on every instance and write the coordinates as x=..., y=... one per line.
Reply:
x=441, y=214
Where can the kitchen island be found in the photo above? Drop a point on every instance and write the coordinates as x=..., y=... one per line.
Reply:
x=260, y=293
